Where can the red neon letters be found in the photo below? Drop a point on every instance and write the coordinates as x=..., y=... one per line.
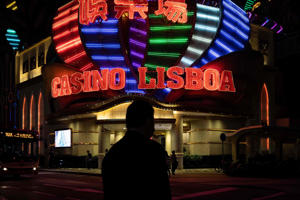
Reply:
x=93, y=81
x=195, y=79
x=88, y=81
x=176, y=10
x=90, y=10
x=131, y=7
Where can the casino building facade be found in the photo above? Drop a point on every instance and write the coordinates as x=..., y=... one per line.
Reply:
x=206, y=72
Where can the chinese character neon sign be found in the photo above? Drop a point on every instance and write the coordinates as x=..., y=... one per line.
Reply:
x=174, y=10
x=90, y=10
x=94, y=81
x=131, y=7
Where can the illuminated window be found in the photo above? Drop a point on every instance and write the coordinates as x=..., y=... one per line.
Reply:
x=32, y=62
x=264, y=105
x=41, y=58
x=25, y=65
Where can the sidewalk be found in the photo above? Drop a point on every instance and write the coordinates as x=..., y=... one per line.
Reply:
x=97, y=172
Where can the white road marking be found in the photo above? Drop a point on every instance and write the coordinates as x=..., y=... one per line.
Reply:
x=269, y=196
x=205, y=193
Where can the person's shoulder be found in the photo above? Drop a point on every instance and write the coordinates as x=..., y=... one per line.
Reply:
x=155, y=145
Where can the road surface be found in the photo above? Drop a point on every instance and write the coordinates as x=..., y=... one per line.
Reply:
x=63, y=186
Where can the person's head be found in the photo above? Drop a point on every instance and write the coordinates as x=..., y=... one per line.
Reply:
x=140, y=117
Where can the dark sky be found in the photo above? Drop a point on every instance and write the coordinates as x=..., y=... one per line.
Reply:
x=33, y=18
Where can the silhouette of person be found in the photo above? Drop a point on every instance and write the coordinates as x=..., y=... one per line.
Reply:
x=168, y=160
x=174, y=162
x=89, y=159
x=51, y=157
x=135, y=167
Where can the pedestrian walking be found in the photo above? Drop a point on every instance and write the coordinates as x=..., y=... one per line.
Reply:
x=89, y=159
x=174, y=162
x=135, y=167
x=168, y=162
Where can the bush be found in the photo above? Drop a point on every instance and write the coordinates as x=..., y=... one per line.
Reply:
x=196, y=161
x=69, y=161
x=265, y=166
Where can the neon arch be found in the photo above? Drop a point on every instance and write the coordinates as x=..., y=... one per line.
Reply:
x=24, y=109
x=32, y=113
x=264, y=105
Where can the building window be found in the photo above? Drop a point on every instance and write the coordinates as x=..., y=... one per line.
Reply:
x=25, y=66
x=41, y=58
x=32, y=63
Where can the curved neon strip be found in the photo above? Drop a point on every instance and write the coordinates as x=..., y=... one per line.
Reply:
x=24, y=113
x=102, y=42
x=233, y=34
x=207, y=22
x=31, y=112
x=137, y=48
x=67, y=39
x=264, y=109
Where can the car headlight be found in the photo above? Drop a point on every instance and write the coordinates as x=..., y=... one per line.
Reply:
x=4, y=169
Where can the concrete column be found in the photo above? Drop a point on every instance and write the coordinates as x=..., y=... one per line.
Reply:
x=179, y=140
x=119, y=135
x=168, y=142
x=234, y=146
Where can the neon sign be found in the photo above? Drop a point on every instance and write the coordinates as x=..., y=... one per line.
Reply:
x=19, y=135
x=175, y=11
x=90, y=10
x=199, y=34
x=93, y=81
x=131, y=7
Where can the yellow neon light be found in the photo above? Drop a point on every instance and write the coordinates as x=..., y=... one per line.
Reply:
x=11, y=4
x=19, y=135
x=15, y=8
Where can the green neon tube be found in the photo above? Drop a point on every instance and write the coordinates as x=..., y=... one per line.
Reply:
x=168, y=40
x=167, y=28
x=162, y=54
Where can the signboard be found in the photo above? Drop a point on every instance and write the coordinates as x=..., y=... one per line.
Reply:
x=63, y=138
x=160, y=48
x=90, y=10
x=11, y=134
x=178, y=78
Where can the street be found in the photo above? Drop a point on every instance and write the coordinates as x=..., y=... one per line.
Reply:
x=62, y=186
